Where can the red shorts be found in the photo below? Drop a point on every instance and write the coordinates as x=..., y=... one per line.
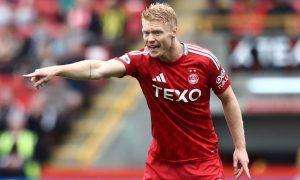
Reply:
x=200, y=170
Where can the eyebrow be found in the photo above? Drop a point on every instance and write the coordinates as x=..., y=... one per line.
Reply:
x=153, y=31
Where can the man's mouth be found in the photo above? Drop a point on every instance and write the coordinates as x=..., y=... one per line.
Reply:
x=153, y=47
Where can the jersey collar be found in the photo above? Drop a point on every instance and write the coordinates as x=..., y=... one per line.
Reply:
x=185, y=49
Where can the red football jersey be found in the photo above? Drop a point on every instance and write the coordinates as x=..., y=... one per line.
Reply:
x=178, y=97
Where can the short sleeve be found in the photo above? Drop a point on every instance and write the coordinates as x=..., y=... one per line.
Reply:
x=219, y=79
x=131, y=62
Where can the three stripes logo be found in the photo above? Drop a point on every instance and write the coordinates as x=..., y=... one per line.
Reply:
x=160, y=78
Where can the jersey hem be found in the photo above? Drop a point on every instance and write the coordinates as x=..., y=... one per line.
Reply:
x=184, y=161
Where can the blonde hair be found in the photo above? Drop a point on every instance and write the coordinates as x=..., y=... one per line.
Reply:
x=160, y=12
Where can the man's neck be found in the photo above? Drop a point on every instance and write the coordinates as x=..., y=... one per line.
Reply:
x=175, y=52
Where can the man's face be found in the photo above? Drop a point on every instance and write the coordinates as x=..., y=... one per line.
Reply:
x=157, y=37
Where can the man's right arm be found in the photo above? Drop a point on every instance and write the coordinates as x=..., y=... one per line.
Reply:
x=82, y=70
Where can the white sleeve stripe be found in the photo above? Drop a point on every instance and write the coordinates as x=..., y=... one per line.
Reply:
x=206, y=55
x=195, y=47
x=135, y=53
x=213, y=57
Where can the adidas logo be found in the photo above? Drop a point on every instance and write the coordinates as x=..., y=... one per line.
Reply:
x=160, y=78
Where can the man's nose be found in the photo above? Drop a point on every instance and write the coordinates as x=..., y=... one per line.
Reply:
x=151, y=38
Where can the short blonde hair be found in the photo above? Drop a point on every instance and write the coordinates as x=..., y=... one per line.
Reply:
x=160, y=12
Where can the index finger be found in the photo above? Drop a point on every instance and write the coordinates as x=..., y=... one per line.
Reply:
x=30, y=75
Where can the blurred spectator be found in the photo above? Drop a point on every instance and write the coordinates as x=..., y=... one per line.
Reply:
x=7, y=13
x=214, y=7
x=38, y=33
x=67, y=103
x=248, y=17
x=281, y=7
x=48, y=9
x=17, y=148
x=296, y=5
x=79, y=16
x=283, y=11
x=66, y=5
x=7, y=104
x=113, y=24
x=133, y=24
x=158, y=1
x=113, y=19
x=42, y=120
x=96, y=52
x=24, y=13
x=10, y=45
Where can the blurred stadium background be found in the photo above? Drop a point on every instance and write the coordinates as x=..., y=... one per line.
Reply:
x=101, y=129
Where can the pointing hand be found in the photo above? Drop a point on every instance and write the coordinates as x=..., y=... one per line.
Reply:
x=40, y=76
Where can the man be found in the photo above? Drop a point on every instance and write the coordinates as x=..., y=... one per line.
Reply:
x=176, y=79
x=18, y=148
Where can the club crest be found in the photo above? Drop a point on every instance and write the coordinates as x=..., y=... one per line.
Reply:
x=193, y=77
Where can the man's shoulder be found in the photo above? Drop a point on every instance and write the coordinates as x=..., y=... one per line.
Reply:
x=142, y=52
x=196, y=49
x=135, y=55
x=200, y=53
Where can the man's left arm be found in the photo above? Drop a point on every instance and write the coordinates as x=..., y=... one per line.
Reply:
x=234, y=121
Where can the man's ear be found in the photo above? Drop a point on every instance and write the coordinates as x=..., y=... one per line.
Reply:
x=174, y=31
